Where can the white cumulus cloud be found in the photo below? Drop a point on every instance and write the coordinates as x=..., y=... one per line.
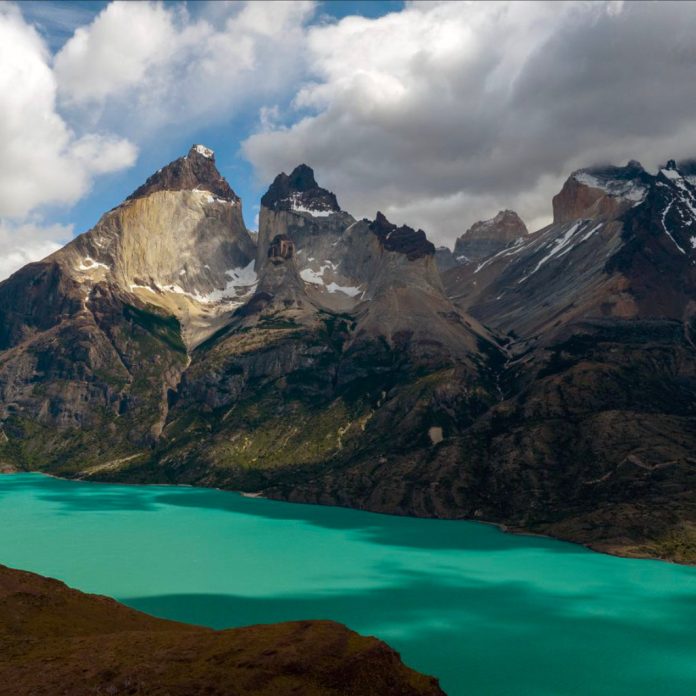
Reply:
x=443, y=113
x=28, y=242
x=42, y=160
x=138, y=67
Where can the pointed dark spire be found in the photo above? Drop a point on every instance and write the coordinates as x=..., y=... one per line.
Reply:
x=404, y=239
x=300, y=188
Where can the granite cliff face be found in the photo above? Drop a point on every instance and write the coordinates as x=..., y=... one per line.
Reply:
x=545, y=381
x=57, y=640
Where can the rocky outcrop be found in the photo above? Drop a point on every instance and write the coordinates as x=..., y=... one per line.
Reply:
x=58, y=640
x=488, y=237
x=299, y=192
x=297, y=207
x=195, y=171
x=444, y=258
x=404, y=240
x=601, y=193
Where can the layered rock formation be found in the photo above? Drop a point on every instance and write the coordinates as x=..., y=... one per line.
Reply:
x=56, y=640
x=546, y=381
x=596, y=427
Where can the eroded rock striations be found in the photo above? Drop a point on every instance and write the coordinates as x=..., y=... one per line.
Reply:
x=314, y=364
x=56, y=640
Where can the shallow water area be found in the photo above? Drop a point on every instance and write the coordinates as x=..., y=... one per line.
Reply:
x=486, y=612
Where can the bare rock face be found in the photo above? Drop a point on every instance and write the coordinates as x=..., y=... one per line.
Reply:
x=405, y=240
x=299, y=191
x=601, y=193
x=58, y=640
x=597, y=314
x=488, y=237
x=280, y=287
x=178, y=243
x=444, y=258
x=195, y=171
x=296, y=206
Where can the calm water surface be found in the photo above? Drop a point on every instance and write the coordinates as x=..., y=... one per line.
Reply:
x=487, y=612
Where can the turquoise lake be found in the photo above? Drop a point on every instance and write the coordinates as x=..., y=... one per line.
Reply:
x=486, y=612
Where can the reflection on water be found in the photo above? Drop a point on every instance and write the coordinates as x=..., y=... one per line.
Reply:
x=487, y=612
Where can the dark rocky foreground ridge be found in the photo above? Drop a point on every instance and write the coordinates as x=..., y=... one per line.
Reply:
x=56, y=640
x=546, y=381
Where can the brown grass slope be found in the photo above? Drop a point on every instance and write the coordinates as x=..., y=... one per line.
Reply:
x=55, y=640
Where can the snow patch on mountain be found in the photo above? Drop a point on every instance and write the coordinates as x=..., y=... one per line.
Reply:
x=564, y=243
x=350, y=290
x=207, y=197
x=89, y=264
x=630, y=190
x=297, y=206
x=313, y=277
x=205, y=151
x=317, y=278
x=514, y=248
x=672, y=174
x=665, y=212
x=242, y=282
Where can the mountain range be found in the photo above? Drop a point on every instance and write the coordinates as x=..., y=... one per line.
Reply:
x=543, y=381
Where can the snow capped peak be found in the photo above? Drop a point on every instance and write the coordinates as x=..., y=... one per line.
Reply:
x=670, y=171
x=629, y=182
x=672, y=174
x=299, y=192
x=631, y=190
x=195, y=171
x=203, y=150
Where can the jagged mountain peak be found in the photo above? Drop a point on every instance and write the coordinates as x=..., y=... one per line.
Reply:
x=488, y=237
x=194, y=171
x=504, y=216
x=201, y=150
x=178, y=243
x=503, y=222
x=601, y=192
x=671, y=172
x=299, y=192
x=404, y=239
x=302, y=178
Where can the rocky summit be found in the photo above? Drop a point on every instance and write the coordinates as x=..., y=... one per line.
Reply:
x=488, y=237
x=544, y=381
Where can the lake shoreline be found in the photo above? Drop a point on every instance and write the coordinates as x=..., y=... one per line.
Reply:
x=451, y=598
x=258, y=495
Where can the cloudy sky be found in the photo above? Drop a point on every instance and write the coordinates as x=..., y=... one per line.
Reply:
x=438, y=114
